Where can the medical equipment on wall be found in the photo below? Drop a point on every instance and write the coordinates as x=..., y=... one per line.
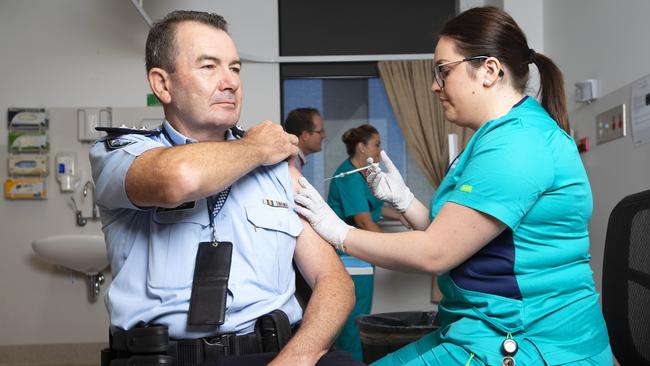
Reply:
x=67, y=174
x=90, y=118
x=587, y=90
x=27, y=118
x=28, y=141
x=27, y=162
x=25, y=188
x=343, y=174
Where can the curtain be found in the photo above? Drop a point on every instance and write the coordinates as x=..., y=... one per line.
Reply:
x=420, y=115
x=421, y=119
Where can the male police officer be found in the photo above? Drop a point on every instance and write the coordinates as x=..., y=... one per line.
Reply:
x=307, y=125
x=191, y=187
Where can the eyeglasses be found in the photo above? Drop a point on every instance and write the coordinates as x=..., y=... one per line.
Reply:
x=320, y=132
x=439, y=74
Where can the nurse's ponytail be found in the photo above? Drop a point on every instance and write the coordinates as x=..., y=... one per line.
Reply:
x=489, y=31
x=551, y=90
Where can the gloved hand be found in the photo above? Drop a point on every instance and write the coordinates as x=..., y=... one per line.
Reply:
x=321, y=217
x=389, y=186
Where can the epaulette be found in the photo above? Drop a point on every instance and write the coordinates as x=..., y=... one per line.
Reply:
x=237, y=131
x=124, y=130
x=113, y=140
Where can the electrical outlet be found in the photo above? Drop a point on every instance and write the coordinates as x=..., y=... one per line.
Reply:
x=611, y=124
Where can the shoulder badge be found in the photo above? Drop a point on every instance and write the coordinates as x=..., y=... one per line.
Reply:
x=117, y=143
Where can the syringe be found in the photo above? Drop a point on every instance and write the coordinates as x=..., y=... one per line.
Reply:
x=341, y=175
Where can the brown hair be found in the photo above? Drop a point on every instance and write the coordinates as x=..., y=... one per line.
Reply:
x=160, y=48
x=356, y=135
x=488, y=31
x=300, y=120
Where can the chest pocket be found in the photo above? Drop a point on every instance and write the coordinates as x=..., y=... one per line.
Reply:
x=273, y=237
x=280, y=219
x=176, y=234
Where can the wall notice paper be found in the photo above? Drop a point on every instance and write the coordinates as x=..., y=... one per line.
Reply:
x=640, y=113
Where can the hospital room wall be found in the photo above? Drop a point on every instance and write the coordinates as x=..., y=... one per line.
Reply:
x=608, y=41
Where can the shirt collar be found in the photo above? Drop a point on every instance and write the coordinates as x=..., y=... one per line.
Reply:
x=176, y=137
x=303, y=158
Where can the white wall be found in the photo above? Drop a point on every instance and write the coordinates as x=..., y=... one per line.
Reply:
x=608, y=41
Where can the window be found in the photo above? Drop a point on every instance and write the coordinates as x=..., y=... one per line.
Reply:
x=345, y=103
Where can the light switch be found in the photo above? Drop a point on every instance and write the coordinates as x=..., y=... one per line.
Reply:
x=611, y=124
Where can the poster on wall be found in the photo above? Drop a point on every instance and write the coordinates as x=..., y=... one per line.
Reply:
x=640, y=111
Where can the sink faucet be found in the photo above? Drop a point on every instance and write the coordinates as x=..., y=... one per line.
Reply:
x=81, y=219
x=91, y=186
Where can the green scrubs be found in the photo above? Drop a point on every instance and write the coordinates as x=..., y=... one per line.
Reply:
x=533, y=280
x=349, y=196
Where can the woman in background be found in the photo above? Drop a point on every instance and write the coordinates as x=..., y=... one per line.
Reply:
x=353, y=202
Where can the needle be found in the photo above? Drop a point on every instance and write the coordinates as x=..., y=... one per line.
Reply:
x=341, y=175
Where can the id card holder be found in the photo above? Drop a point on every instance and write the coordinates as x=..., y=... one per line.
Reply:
x=210, y=285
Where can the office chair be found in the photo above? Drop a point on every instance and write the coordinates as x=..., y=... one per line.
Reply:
x=626, y=280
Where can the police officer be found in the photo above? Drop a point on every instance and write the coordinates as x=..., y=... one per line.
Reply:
x=195, y=185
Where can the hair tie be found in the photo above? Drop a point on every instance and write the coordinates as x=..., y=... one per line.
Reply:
x=531, y=55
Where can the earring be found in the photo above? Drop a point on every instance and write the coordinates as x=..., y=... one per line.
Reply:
x=486, y=83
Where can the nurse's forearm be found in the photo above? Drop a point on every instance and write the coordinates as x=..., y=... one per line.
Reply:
x=409, y=251
x=417, y=215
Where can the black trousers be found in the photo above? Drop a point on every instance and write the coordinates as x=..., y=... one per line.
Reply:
x=333, y=358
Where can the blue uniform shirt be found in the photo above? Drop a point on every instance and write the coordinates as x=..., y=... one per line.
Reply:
x=152, y=250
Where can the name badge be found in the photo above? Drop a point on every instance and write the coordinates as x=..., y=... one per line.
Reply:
x=273, y=203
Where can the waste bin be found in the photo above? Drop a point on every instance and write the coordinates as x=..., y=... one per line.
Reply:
x=384, y=333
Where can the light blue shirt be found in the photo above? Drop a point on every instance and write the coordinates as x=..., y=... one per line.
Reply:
x=152, y=251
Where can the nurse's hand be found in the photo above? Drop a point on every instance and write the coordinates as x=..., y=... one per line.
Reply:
x=321, y=217
x=389, y=186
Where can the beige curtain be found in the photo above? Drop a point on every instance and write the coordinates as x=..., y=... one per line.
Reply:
x=421, y=119
x=420, y=115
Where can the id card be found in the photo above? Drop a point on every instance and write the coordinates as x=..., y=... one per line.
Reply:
x=210, y=285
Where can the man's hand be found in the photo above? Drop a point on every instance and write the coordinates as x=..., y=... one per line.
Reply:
x=273, y=144
x=389, y=186
x=321, y=217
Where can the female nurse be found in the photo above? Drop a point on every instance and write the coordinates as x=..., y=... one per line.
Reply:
x=353, y=202
x=507, y=228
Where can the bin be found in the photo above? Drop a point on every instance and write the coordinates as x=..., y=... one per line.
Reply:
x=384, y=333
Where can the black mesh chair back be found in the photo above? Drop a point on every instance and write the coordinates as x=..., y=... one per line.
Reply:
x=626, y=280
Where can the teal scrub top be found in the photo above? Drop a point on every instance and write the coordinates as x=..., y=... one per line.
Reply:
x=350, y=195
x=534, y=279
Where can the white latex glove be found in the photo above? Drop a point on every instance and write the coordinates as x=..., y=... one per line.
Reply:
x=321, y=217
x=389, y=186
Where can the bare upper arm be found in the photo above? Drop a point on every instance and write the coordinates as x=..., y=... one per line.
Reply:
x=314, y=256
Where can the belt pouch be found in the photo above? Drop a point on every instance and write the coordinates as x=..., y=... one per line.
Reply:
x=211, y=272
x=274, y=330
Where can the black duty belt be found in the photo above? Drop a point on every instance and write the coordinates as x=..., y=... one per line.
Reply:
x=151, y=345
